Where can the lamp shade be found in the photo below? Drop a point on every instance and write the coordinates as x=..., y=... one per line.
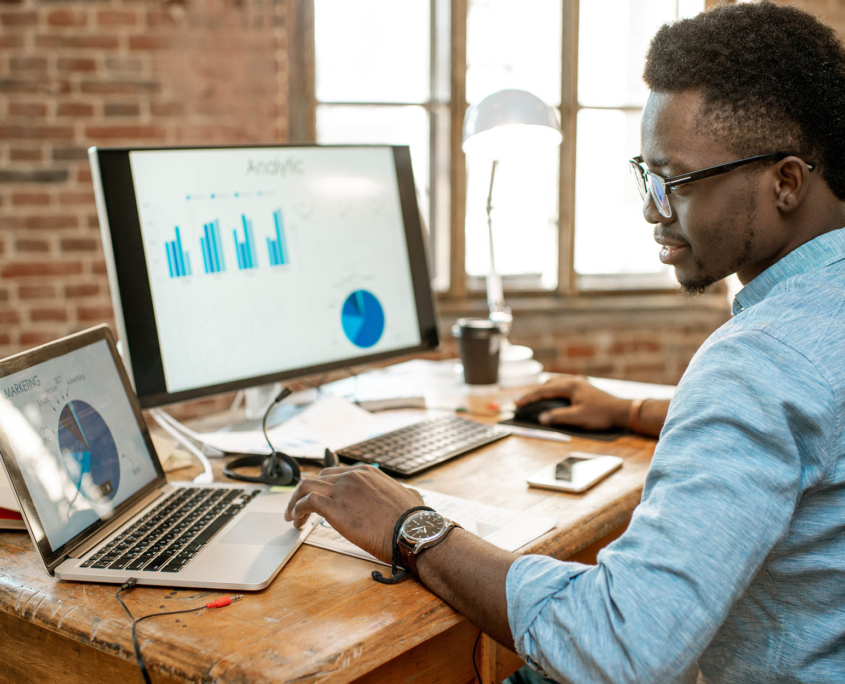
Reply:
x=510, y=121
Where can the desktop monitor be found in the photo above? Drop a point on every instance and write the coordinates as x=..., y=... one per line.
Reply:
x=232, y=267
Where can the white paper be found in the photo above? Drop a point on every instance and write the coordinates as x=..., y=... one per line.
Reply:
x=509, y=530
x=7, y=495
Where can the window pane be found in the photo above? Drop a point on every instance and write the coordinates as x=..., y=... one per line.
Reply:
x=611, y=235
x=525, y=216
x=372, y=50
x=514, y=45
x=613, y=39
x=390, y=125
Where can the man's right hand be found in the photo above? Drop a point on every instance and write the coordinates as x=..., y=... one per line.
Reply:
x=590, y=408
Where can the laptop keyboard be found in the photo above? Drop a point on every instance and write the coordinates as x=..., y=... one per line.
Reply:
x=171, y=534
x=423, y=445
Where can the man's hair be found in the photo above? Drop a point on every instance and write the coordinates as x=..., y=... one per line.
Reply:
x=772, y=79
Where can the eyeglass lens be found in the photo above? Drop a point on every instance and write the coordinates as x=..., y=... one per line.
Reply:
x=649, y=184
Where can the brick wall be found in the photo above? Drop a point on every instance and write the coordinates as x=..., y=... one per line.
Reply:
x=111, y=72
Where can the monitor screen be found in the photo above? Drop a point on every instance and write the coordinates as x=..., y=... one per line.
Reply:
x=236, y=266
x=75, y=440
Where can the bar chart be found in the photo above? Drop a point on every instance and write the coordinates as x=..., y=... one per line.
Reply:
x=245, y=249
x=178, y=260
x=278, y=249
x=212, y=248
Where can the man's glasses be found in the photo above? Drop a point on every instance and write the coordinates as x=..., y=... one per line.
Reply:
x=649, y=183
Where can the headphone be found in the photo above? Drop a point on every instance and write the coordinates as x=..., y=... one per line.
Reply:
x=276, y=469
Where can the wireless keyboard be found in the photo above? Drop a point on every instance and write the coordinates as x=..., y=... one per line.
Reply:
x=418, y=447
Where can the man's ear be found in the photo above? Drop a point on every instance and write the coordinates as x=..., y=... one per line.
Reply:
x=792, y=178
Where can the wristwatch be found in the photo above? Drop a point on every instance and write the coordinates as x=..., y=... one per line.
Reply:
x=420, y=531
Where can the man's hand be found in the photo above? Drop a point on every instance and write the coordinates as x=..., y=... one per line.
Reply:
x=591, y=408
x=360, y=502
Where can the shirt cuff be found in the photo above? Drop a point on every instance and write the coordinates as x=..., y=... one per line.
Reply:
x=531, y=581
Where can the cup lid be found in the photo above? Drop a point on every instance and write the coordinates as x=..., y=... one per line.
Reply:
x=478, y=327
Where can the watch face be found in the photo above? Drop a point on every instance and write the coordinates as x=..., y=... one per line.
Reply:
x=423, y=526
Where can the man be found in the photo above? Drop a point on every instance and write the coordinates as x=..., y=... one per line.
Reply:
x=734, y=562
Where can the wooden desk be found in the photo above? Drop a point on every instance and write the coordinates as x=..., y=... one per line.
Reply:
x=323, y=619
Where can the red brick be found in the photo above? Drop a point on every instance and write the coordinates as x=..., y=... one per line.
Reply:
x=34, y=176
x=30, y=198
x=74, y=109
x=4, y=295
x=152, y=42
x=117, y=18
x=99, y=268
x=36, y=132
x=86, y=290
x=93, y=221
x=9, y=316
x=19, y=18
x=37, y=315
x=130, y=64
x=36, y=292
x=30, y=339
x=81, y=42
x=5, y=339
x=83, y=175
x=120, y=87
x=76, y=64
x=160, y=17
x=79, y=245
x=75, y=198
x=94, y=313
x=10, y=222
x=28, y=109
x=635, y=346
x=28, y=64
x=124, y=132
x=122, y=109
x=167, y=108
x=64, y=17
x=50, y=222
x=20, y=154
x=32, y=246
x=32, y=86
x=580, y=351
x=11, y=41
x=25, y=269
x=74, y=153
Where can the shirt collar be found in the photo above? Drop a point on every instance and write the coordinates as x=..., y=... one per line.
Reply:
x=817, y=253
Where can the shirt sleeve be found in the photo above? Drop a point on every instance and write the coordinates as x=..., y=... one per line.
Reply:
x=748, y=430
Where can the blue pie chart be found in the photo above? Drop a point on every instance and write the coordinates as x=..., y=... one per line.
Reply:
x=88, y=451
x=362, y=318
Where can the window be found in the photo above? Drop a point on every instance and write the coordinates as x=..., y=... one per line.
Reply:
x=404, y=72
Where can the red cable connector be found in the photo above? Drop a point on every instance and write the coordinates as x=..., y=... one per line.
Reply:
x=223, y=601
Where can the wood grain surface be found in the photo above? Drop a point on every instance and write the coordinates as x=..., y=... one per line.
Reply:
x=323, y=619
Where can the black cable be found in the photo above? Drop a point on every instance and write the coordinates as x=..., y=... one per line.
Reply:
x=129, y=584
x=284, y=393
x=474, y=664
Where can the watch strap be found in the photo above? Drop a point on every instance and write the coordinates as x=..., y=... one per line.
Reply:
x=408, y=553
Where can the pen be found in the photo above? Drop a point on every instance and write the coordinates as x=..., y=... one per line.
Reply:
x=538, y=434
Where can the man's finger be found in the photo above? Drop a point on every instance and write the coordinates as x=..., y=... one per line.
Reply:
x=313, y=502
x=306, y=487
x=562, y=389
x=569, y=415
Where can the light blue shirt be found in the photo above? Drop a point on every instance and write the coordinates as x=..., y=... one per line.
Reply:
x=734, y=561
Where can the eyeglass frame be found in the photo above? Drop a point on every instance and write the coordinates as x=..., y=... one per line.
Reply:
x=684, y=178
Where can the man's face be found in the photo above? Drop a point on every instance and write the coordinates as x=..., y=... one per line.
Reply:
x=720, y=225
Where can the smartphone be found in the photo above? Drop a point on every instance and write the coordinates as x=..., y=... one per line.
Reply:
x=576, y=473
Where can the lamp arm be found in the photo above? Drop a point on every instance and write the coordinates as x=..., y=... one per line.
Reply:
x=495, y=293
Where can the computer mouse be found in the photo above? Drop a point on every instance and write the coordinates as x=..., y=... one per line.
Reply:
x=530, y=413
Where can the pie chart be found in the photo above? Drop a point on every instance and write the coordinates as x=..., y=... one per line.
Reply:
x=88, y=451
x=362, y=318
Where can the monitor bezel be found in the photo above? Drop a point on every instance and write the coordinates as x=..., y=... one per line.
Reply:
x=14, y=364
x=130, y=287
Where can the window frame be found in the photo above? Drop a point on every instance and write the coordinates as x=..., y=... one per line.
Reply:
x=461, y=286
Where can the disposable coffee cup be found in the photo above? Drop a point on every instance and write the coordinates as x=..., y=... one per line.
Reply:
x=479, y=341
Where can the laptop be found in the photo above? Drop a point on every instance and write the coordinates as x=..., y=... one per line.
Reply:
x=93, y=492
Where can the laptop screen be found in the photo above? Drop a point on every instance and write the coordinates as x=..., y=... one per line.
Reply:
x=76, y=440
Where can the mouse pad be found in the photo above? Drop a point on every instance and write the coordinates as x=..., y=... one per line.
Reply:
x=601, y=435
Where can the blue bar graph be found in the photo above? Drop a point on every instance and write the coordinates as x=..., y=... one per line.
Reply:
x=212, y=248
x=278, y=249
x=178, y=260
x=245, y=249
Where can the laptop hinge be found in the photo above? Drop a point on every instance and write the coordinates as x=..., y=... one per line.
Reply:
x=111, y=527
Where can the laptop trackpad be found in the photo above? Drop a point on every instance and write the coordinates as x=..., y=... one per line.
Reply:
x=262, y=529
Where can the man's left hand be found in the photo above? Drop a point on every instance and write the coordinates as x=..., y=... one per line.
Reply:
x=360, y=502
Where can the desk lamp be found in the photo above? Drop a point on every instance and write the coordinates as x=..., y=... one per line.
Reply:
x=507, y=123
